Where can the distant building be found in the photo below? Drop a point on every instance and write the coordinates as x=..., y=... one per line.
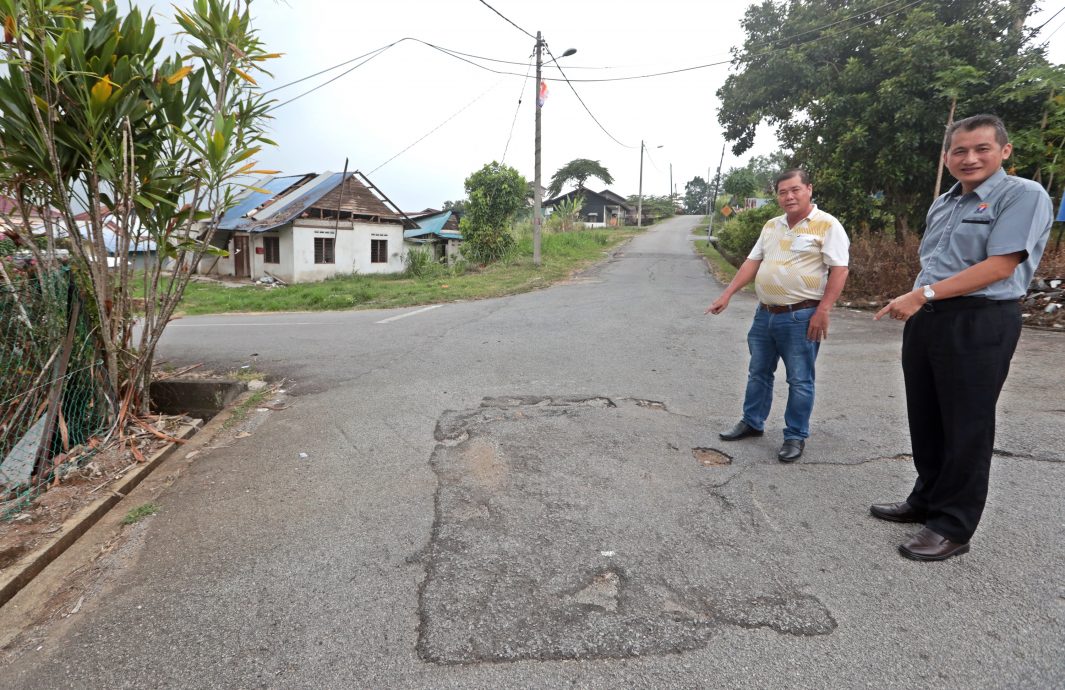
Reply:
x=599, y=209
x=437, y=230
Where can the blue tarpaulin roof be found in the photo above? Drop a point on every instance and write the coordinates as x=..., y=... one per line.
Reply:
x=235, y=217
x=433, y=225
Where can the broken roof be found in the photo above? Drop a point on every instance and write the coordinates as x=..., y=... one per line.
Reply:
x=274, y=201
x=433, y=225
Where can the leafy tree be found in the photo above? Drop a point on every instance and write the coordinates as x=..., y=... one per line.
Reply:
x=953, y=83
x=494, y=194
x=756, y=177
x=740, y=182
x=1038, y=146
x=93, y=116
x=696, y=195
x=577, y=171
x=655, y=208
x=859, y=103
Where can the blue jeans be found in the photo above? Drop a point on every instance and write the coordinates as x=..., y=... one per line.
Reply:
x=774, y=337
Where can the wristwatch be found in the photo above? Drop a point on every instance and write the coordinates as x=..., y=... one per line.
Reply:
x=929, y=293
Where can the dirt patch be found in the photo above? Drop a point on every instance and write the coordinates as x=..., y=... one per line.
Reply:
x=483, y=464
x=32, y=521
x=710, y=457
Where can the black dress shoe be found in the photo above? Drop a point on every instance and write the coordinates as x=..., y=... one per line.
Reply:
x=741, y=430
x=791, y=450
x=897, y=512
x=927, y=545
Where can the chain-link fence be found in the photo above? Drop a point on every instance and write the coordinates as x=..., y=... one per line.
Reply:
x=54, y=400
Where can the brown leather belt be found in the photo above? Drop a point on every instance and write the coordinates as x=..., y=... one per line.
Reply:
x=784, y=308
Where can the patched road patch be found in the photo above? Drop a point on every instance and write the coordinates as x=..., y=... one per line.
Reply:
x=564, y=531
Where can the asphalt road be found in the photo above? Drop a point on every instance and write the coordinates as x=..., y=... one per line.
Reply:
x=522, y=492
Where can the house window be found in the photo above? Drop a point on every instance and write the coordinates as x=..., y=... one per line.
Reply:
x=323, y=250
x=379, y=251
x=271, y=250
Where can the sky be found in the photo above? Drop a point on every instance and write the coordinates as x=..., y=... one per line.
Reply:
x=469, y=116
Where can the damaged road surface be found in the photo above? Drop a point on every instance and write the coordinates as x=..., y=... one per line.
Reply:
x=530, y=492
x=571, y=528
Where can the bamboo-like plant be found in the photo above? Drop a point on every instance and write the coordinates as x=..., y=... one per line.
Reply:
x=94, y=118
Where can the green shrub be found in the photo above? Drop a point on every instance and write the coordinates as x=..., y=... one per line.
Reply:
x=496, y=193
x=739, y=233
x=421, y=263
x=458, y=267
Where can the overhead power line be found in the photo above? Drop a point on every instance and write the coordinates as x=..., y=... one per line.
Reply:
x=330, y=81
x=462, y=55
x=517, y=109
x=424, y=136
x=507, y=20
x=1040, y=27
x=586, y=108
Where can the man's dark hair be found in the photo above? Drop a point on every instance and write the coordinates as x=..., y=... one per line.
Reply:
x=803, y=176
x=976, y=122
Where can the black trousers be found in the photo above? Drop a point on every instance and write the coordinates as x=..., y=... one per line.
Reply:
x=955, y=357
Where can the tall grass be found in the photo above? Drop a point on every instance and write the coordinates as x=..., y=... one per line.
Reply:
x=881, y=267
x=424, y=281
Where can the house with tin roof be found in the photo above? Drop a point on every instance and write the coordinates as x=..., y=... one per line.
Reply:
x=437, y=231
x=598, y=209
x=305, y=228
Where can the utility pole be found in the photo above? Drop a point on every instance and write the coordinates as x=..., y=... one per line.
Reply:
x=672, y=192
x=708, y=191
x=717, y=182
x=538, y=215
x=639, y=205
x=538, y=211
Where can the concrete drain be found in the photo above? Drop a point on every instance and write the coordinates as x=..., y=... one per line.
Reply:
x=710, y=457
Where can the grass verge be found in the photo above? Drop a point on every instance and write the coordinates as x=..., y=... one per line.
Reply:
x=563, y=253
x=137, y=514
x=241, y=412
x=719, y=266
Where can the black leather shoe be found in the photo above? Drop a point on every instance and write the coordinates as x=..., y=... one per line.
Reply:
x=927, y=545
x=741, y=430
x=896, y=512
x=791, y=450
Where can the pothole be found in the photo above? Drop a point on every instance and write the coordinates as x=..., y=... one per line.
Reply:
x=711, y=457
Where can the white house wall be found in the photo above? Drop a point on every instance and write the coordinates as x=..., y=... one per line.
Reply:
x=284, y=268
x=351, y=249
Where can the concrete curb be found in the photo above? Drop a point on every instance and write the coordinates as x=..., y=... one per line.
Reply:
x=30, y=565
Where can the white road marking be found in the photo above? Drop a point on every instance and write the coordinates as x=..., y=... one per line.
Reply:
x=410, y=313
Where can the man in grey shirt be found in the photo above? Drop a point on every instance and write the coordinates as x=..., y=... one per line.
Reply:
x=982, y=243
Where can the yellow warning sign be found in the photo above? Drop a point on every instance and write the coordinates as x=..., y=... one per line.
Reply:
x=726, y=210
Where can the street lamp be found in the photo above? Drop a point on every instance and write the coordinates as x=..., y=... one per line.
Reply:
x=538, y=214
x=639, y=207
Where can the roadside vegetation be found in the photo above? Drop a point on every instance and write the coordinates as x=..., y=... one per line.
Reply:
x=137, y=514
x=424, y=282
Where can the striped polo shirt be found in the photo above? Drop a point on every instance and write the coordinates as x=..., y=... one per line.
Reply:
x=795, y=261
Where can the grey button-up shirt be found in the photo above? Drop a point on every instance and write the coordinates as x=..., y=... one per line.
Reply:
x=1005, y=214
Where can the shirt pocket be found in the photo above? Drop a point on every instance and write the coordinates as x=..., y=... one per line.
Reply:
x=968, y=242
x=806, y=243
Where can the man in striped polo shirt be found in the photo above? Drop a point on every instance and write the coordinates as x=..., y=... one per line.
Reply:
x=799, y=267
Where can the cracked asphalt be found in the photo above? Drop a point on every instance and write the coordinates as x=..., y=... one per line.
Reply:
x=530, y=492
